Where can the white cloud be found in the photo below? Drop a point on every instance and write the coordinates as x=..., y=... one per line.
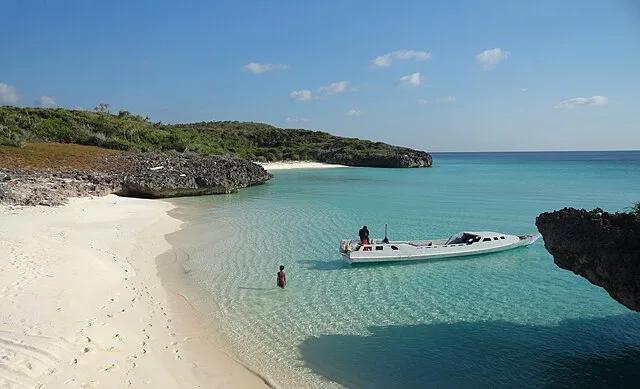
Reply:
x=353, y=112
x=46, y=102
x=582, y=102
x=336, y=87
x=524, y=89
x=301, y=95
x=491, y=57
x=440, y=100
x=386, y=59
x=414, y=79
x=323, y=91
x=295, y=120
x=264, y=67
x=8, y=94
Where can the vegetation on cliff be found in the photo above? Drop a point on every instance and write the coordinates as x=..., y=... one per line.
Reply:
x=255, y=141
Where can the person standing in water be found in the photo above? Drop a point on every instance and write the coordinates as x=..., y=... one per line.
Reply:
x=282, y=277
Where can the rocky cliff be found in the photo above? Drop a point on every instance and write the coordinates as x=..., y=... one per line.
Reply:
x=174, y=174
x=602, y=247
x=405, y=158
x=147, y=175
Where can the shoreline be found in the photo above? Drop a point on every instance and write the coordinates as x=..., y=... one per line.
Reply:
x=87, y=301
x=297, y=165
x=191, y=306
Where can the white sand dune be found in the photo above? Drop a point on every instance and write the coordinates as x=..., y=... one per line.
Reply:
x=83, y=306
x=286, y=165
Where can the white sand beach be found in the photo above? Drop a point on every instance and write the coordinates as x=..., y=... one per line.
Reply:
x=287, y=165
x=83, y=305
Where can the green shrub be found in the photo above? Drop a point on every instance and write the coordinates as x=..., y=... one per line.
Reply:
x=56, y=130
x=15, y=138
x=126, y=131
x=117, y=143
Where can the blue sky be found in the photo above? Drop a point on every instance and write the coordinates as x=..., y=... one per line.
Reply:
x=457, y=75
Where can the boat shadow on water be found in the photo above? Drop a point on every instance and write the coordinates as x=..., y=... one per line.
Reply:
x=576, y=353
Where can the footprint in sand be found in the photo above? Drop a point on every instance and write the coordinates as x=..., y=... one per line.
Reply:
x=109, y=367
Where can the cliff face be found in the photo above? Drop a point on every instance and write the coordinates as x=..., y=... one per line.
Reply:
x=602, y=247
x=147, y=175
x=175, y=174
x=399, y=159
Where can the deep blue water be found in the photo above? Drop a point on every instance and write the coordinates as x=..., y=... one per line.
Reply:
x=506, y=320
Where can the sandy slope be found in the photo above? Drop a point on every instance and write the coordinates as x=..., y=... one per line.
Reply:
x=82, y=305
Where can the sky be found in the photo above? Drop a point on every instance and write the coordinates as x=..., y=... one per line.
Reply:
x=439, y=75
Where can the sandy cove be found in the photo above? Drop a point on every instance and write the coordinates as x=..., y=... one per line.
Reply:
x=83, y=305
x=288, y=165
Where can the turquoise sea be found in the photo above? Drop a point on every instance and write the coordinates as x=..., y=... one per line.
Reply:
x=505, y=320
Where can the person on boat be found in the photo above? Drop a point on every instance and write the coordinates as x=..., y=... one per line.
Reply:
x=282, y=278
x=364, y=237
x=364, y=234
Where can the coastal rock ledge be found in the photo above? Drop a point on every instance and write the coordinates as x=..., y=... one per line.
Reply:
x=602, y=247
x=402, y=158
x=173, y=174
x=144, y=175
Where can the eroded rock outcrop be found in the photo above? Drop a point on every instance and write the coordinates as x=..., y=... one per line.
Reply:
x=404, y=158
x=148, y=175
x=50, y=187
x=602, y=247
x=173, y=174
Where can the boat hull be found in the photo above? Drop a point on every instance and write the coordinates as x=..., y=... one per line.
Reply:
x=408, y=251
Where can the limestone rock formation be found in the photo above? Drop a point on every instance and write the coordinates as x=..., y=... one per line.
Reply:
x=173, y=174
x=404, y=158
x=52, y=188
x=148, y=175
x=602, y=247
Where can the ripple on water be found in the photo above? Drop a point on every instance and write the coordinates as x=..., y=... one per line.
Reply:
x=512, y=319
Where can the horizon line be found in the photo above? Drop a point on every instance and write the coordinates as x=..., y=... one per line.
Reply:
x=536, y=151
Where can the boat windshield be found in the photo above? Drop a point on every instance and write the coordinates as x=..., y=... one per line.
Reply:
x=456, y=238
x=461, y=237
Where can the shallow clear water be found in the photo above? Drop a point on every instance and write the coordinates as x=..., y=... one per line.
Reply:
x=505, y=320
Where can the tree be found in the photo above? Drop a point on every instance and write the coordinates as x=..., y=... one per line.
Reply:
x=102, y=108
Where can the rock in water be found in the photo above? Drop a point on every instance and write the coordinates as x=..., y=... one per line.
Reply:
x=602, y=247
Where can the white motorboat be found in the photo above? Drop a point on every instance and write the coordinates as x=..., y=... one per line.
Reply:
x=461, y=244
